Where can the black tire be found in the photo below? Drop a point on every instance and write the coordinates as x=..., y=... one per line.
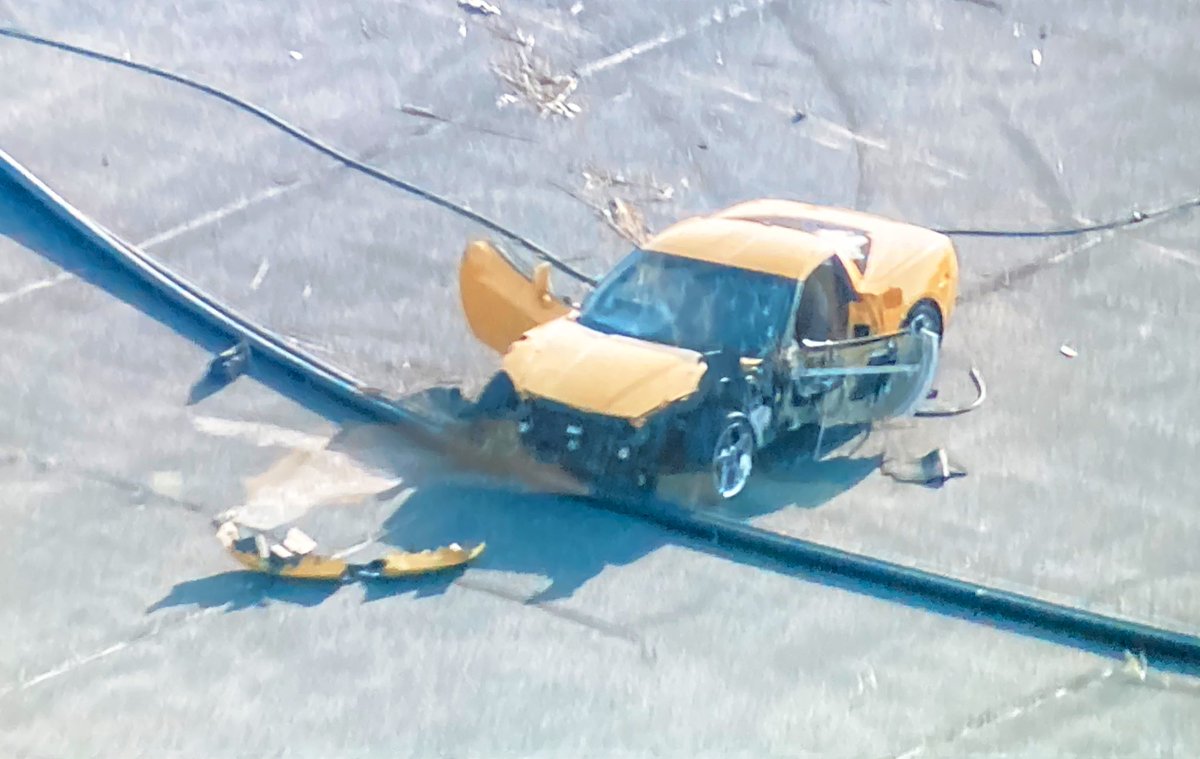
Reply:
x=926, y=314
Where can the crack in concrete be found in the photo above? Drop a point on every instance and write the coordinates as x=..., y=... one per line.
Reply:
x=717, y=17
x=992, y=717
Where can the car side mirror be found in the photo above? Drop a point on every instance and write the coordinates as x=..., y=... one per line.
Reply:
x=541, y=280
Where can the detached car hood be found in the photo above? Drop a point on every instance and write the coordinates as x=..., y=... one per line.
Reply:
x=565, y=362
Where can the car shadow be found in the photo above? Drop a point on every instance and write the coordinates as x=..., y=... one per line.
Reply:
x=537, y=531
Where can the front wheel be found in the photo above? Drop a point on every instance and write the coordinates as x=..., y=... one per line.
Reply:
x=732, y=457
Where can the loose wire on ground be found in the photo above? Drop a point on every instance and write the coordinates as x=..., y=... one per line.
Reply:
x=981, y=396
x=313, y=142
x=1137, y=217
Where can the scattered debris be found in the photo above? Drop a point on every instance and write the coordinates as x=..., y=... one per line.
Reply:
x=168, y=484
x=989, y=4
x=505, y=100
x=798, y=116
x=462, y=29
x=307, y=291
x=576, y=9
x=296, y=55
x=529, y=77
x=260, y=275
x=231, y=363
x=104, y=160
x=1036, y=57
x=1136, y=664
x=1017, y=29
x=416, y=110
x=1043, y=32
x=479, y=7
x=426, y=113
x=1068, y=351
x=702, y=145
x=933, y=469
x=295, y=556
x=627, y=220
x=615, y=198
x=363, y=29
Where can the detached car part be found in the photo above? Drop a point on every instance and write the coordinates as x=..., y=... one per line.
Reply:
x=294, y=557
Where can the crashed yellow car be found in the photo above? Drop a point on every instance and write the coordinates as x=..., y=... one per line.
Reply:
x=713, y=338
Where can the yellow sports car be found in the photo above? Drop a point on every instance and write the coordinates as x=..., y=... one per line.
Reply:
x=713, y=338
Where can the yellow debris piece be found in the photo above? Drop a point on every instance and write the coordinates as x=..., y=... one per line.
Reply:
x=294, y=557
x=402, y=564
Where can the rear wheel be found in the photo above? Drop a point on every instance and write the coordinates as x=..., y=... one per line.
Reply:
x=924, y=315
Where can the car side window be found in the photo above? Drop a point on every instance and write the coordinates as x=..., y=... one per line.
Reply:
x=823, y=311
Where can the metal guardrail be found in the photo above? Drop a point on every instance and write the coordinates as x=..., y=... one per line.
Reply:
x=1111, y=636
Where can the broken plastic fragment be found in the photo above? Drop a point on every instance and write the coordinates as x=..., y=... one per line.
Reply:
x=482, y=7
x=295, y=557
x=231, y=363
x=296, y=55
x=1068, y=351
x=298, y=542
x=1036, y=56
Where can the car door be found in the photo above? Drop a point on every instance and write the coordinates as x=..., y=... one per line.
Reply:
x=503, y=299
x=862, y=380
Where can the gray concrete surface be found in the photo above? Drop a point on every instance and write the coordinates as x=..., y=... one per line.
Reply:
x=580, y=633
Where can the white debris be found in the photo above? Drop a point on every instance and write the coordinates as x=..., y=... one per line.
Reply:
x=505, y=99
x=296, y=55
x=720, y=60
x=1136, y=664
x=1016, y=29
x=1068, y=351
x=576, y=9
x=684, y=183
x=462, y=29
x=260, y=275
x=307, y=291
x=168, y=484
x=481, y=7
x=1036, y=57
x=298, y=542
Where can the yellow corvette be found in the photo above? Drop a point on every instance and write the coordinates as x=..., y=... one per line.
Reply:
x=713, y=338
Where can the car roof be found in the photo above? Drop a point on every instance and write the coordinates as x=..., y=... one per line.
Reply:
x=789, y=238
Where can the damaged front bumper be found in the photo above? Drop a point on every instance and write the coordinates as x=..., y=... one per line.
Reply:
x=589, y=446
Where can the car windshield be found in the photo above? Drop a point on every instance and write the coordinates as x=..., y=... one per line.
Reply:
x=691, y=304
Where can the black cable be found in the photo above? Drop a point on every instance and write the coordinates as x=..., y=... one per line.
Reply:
x=313, y=142
x=980, y=397
x=1137, y=217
